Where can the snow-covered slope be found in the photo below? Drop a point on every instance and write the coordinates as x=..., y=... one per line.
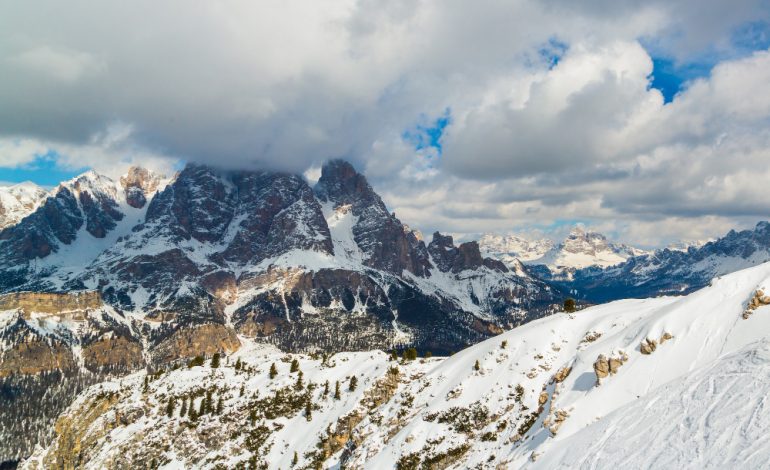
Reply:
x=18, y=201
x=563, y=391
x=715, y=417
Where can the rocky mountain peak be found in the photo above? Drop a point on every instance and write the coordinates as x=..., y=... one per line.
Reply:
x=341, y=184
x=18, y=201
x=138, y=183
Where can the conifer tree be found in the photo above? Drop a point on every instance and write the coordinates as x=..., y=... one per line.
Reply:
x=273, y=371
x=208, y=402
x=215, y=361
x=294, y=459
x=477, y=366
x=219, y=405
x=299, y=385
x=191, y=413
x=353, y=383
x=326, y=389
x=238, y=364
x=170, y=407
x=308, y=408
x=243, y=386
x=202, y=407
x=294, y=366
x=337, y=390
x=183, y=410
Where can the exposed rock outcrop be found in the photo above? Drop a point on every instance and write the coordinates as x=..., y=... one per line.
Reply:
x=604, y=366
x=758, y=300
x=51, y=303
x=200, y=340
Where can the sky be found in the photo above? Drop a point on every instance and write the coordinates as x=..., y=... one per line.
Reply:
x=645, y=120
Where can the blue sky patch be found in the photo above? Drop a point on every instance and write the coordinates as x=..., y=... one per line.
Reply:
x=427, y=135
x=43, y=171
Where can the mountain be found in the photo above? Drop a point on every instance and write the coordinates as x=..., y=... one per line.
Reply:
x=514, y=247
x=669, y=381
x=580, y=249
x=105, y=277
x=669, y=271
x=18, y=201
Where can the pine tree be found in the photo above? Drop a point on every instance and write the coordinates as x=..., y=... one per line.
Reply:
x=215, y=361
x=170, y=407
x=570, y=305
x=308, y=408
x=146, y=382
x=183, y=411
x=219, y=405
x=337, y=390
x=393, y=355
x=299, y=385
x=238, y=364
x=410, y=354
x=207, y=402
x=274, y=370
x=294, y=459
x=294, y=366
x=353, y=383
x=191, y=413
x=243, y=386
x=477, y=366
x=503, y=344
x=326, y=389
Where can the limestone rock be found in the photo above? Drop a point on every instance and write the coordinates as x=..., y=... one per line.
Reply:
x=648, y=346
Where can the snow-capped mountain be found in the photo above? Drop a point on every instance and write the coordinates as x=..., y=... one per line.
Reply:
x=18, y=201
x=514, y=247
x=194, y=264
x=673, y=271
x=580, y=249
x=663, y=382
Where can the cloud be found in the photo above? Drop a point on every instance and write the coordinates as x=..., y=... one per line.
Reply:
x=62, y=65
x=551, y=113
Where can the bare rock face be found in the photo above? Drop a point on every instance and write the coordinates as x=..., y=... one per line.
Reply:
x=604, y=366
x=467, y=256
x=51, y=303
x=648, y=346
x=379, y=234
x=758, y=300
x=601, y=367
x=112, y=353
x=562, y=374
x=200, y=340
x=138, y=183
x=35, y=355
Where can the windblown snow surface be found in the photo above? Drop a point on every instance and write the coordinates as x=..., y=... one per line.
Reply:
x=528, y=398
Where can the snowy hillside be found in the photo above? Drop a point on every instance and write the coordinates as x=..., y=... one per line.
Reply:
x=18, y=201
x=563, y=391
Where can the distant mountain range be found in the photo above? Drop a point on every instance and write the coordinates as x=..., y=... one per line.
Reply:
x=580, y=249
